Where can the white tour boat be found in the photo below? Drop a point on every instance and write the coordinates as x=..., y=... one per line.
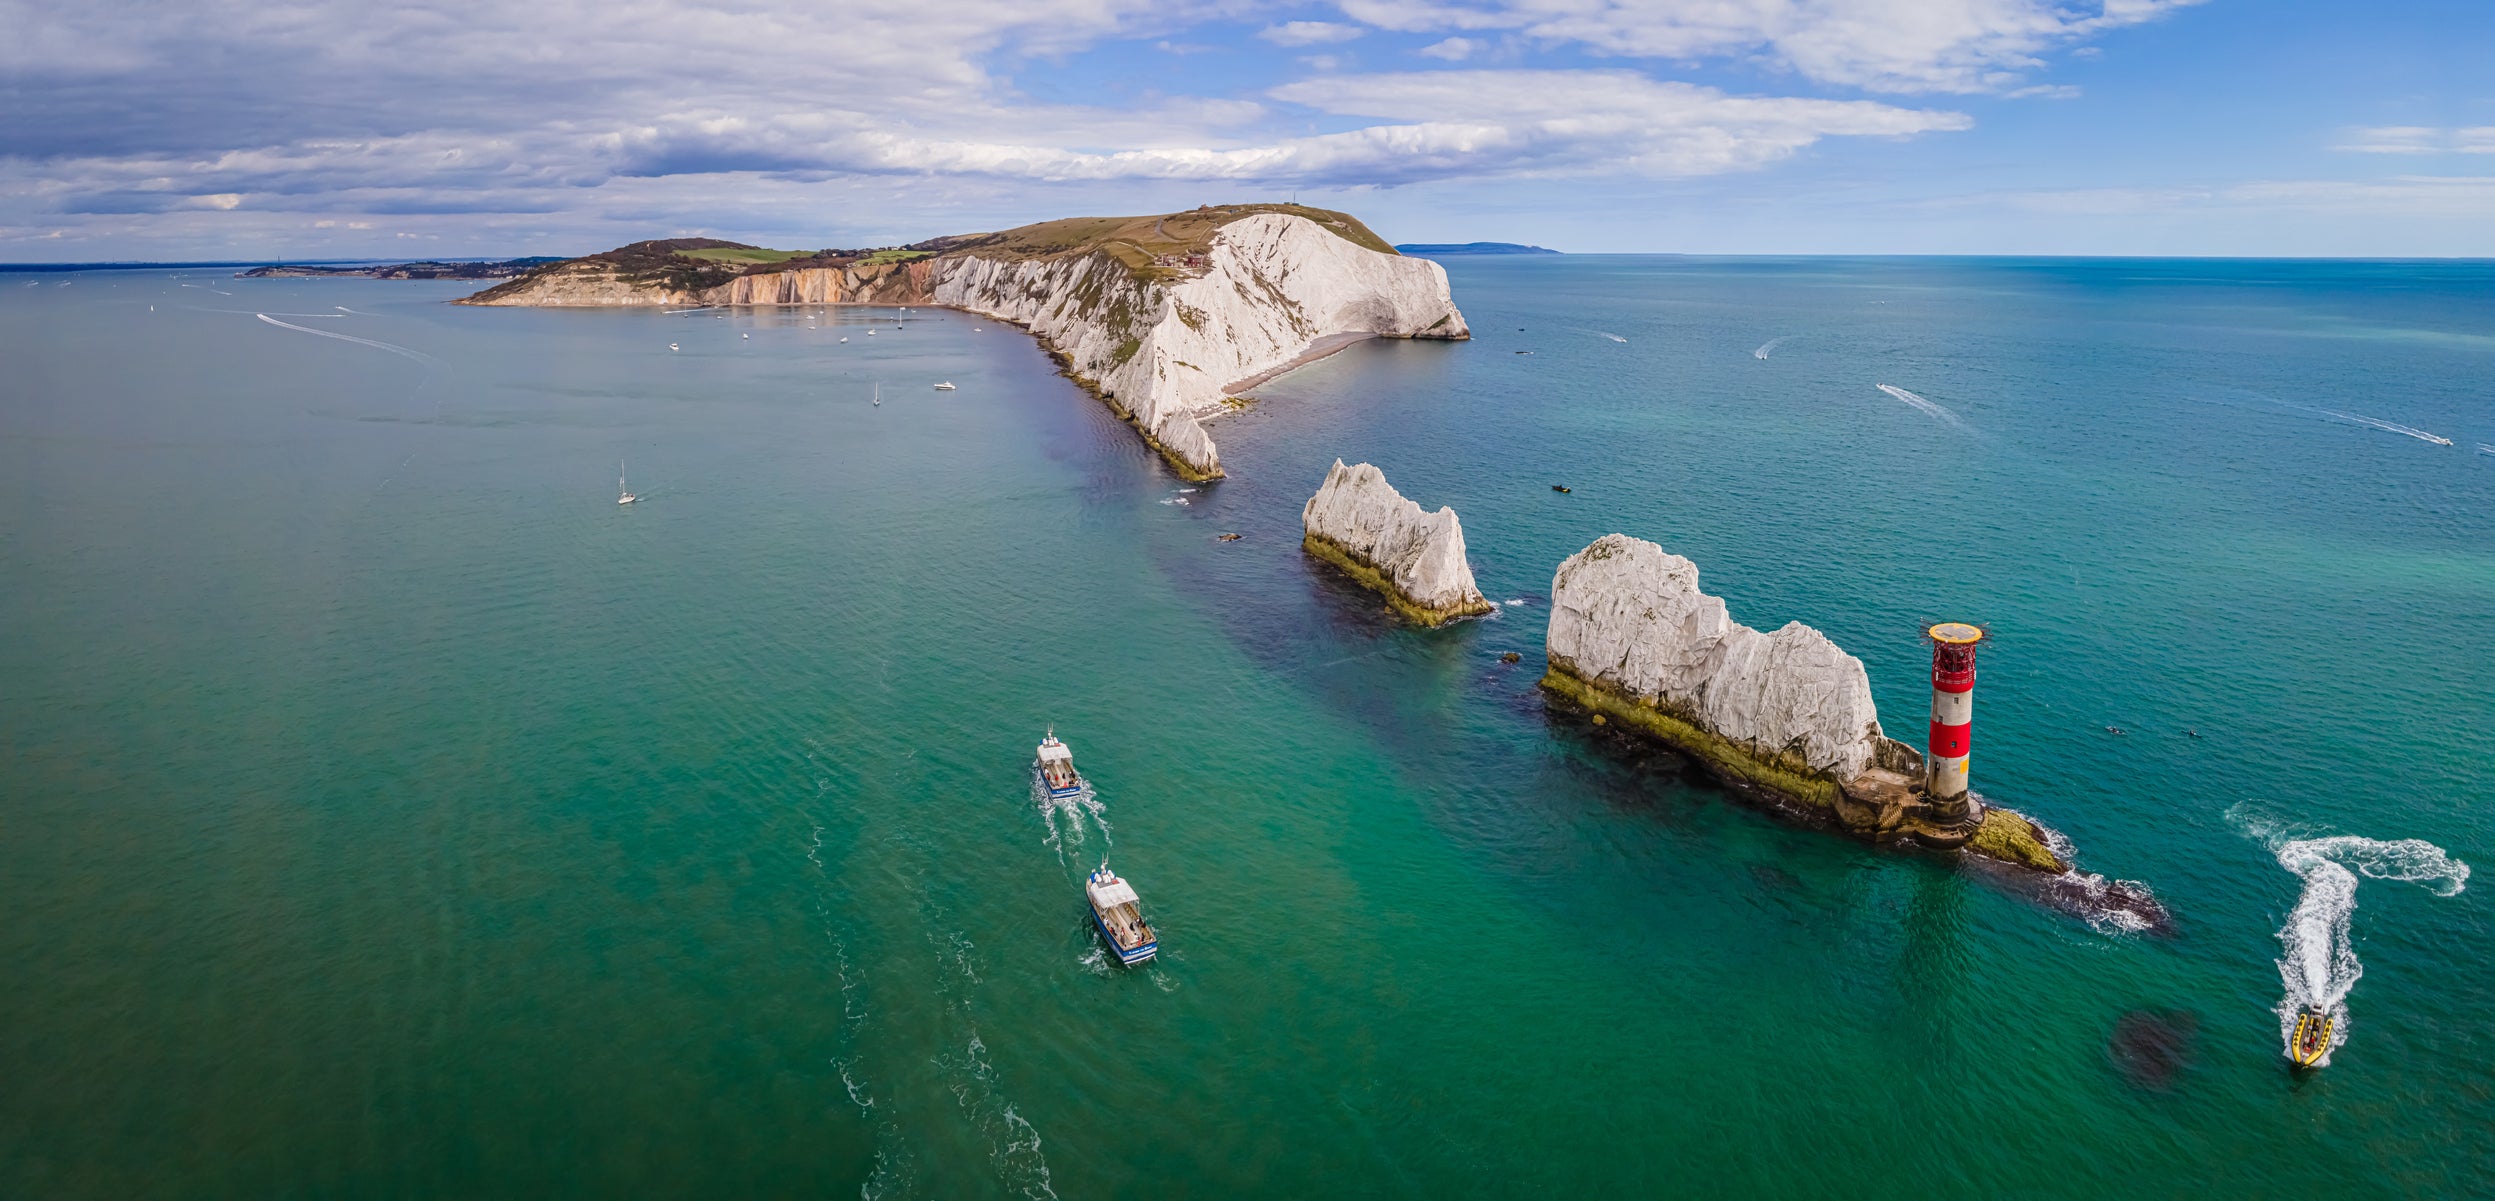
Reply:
x=1115, y=914
x=1056, y=765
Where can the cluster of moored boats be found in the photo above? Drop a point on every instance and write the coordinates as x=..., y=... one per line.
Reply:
x=1117, y=913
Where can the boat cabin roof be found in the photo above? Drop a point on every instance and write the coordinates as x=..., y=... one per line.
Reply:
x=1055, y=750
x=1113, y=894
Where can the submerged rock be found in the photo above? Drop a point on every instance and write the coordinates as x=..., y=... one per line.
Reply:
x=1358, y=522
x=2150, y=1047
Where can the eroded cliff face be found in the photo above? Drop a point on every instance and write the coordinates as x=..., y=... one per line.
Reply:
x=590, y=282
x=583, y=283
x=862, y=283
x=1167, y=352
x=1359, y=522
x=1628, y=615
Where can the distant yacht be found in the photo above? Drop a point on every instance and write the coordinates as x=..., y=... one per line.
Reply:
x=844, y=339
x=673, y=346
x=946, y=386
x=623, y=495
x=870, y=333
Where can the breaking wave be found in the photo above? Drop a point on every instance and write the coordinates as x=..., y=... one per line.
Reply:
x=1919, y=403
x=2318, y=965
x=398, y=350
x=1769, y=347
x=2389, y=426
x=2108, y=906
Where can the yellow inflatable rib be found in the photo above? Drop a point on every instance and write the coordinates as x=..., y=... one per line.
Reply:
x=2311, y=1040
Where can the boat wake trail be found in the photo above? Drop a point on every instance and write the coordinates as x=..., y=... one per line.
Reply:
x=2318, y=966
x=1770, y=346
x=398, y=350
x=2389, y=426
x=2485, y=449
x=1069, y=819
x=1919, y=403
x=1013, y=1143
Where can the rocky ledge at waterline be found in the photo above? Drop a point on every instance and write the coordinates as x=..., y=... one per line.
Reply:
x=1163, y=317
x=1358, y=522
x=1786, y=715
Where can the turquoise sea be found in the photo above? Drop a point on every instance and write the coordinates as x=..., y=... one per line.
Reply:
x=384, y=811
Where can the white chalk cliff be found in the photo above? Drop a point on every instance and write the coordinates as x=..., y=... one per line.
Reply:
x=1165, y=336
x=1628, y=615
x=1421, y=555
x=1168, y=352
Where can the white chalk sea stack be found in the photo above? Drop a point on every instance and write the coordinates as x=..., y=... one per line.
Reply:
x=1627, y=615
x=1358, y=521
x=1272, y=287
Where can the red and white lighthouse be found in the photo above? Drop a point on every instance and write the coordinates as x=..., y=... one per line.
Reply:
x=1953, y=717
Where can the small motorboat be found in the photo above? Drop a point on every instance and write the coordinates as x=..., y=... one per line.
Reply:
x=1559, y=487
x=946, y=386
x=673, y=346
x=2307, y=1047
x=1056, y=766
x=1116, y=915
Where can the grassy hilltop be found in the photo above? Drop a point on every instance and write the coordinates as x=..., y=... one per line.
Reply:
x=1153, y=247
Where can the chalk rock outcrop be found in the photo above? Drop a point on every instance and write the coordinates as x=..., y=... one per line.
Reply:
x=1633, y=639
x=1358, y=522
x=1166, y=352
x=1628, y=615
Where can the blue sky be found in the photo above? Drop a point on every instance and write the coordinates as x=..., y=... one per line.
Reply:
x=246, y=128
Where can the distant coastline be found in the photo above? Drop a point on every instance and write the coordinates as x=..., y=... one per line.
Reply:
x=1440, y=249
x=430, y=269
x=306, y=266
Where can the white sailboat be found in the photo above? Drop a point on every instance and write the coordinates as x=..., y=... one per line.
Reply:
x=623, y=495
x=879, y=393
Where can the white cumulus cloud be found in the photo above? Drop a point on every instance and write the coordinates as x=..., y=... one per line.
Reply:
x=2420, y=139
x=1961, y=46
x=1309, y=33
